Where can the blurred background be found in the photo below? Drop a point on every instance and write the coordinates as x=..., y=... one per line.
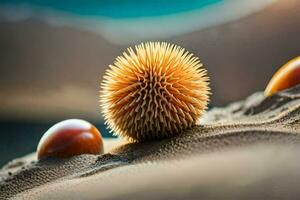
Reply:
x=53, y=53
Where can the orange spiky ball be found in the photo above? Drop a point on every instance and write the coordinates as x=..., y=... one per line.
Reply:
x=154, y=92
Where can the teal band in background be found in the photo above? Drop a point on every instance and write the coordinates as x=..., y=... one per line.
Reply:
x=116, y=9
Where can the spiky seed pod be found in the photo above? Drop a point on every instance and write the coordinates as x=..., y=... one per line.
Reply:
x=154, y=92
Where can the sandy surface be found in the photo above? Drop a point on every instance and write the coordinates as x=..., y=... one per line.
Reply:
x=247, y=150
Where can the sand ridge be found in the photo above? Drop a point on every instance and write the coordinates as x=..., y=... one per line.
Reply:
x=271, y=123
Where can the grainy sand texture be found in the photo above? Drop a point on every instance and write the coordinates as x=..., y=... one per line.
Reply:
x=247, y=150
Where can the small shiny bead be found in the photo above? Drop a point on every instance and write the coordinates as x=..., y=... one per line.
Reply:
x=68, y=138
x=286, y=77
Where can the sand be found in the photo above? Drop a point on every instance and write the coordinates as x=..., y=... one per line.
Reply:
x=246, y=150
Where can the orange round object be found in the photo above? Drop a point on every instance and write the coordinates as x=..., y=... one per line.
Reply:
x=286, y=77
x=154, y=91
x=70, y=137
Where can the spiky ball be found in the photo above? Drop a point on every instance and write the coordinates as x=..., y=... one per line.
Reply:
x=154, y=91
